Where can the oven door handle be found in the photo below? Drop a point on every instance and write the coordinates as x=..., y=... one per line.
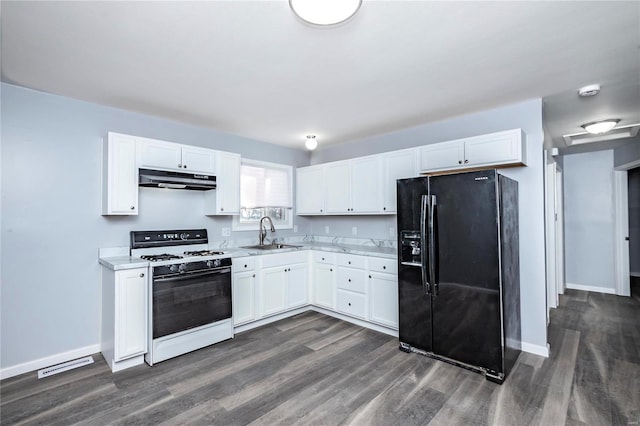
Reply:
x=189, y=275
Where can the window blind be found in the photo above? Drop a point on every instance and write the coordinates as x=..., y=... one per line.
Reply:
x=264, y=187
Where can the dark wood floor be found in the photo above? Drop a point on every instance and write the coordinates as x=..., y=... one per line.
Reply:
x=314, y=369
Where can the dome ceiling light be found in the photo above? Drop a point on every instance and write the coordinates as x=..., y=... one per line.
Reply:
x=590, y=90
x=600, y=127
x=325, y=12
x=311, y=143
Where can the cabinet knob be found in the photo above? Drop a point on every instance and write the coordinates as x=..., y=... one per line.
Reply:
x=254, y=275
x=384, y=267
x=245, y=265
x=349, y=279
x=349, y=262
x=323, y=258
x=179, y=166
x=221, y=209
x=184, y=166
x=384, y=208
x=459, y=161
x=369, y=276
x=321, y=210
x=349, y=303
x=330, y=269
x=142, y=275
x=132, y=207
x=466, y=161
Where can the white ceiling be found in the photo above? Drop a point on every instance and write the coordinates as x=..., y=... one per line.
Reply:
x=251, y=68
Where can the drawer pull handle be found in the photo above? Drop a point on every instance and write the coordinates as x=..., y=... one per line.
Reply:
x=349, y=262
x=142, y=275
x=384, y=267
x=254, y=275
x=349, y=303
x=245, y=265
x=331, y=270
x=349, y=279
x=369, y=276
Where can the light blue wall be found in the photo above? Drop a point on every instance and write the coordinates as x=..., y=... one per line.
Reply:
x=526, y=115
x=51, y=222
x=589, y=220
x=627, y=153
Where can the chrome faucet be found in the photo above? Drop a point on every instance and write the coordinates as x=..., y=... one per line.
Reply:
x=263, y=230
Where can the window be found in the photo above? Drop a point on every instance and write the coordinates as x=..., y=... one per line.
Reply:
x=265, y=190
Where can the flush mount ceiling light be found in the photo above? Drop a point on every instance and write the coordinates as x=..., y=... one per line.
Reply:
x=622, y=132
x=600, y=127
x=325, y=12
x=311, y=143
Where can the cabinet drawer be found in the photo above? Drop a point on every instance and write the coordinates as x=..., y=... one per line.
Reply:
x=351, y=303
x=244, y=264
x=388, y=266
x=282, y=259
x=324, y=257
x=352, y=279
x=352, y=261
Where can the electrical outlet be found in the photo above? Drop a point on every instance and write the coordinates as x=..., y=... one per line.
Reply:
x=226, y=232
x=326, y=229
x=354, y=230
x=295, y=228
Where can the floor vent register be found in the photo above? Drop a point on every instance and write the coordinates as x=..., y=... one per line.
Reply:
x=65, y=366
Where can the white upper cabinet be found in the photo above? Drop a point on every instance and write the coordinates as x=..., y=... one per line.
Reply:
x=225, y=199
x=353, y=186
x=337, y=187
x=120, y=175
x=172, y=156
x=396, y=165
x=310, y=190
x=495, y=149
x=365, y=185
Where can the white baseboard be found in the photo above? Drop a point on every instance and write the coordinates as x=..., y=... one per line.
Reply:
x=606, y=290
x=536, y=349
x=37, y=364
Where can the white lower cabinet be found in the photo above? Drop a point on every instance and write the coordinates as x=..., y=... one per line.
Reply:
x=272, y=290
x=124, y=317
x=361, y=287
x=244, y=288
x=283, y=282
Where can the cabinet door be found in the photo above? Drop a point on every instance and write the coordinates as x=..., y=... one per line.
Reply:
x=442, y=156
x=496, y=148
x=324, y=285
x=228, y=180
x=243, y=297
x=366, y=179
x=310, y=190
x=272, y=290
x=131, y=299
x=196, y=159
x=337, y=187
x=297, y=285
x=159, y=154
x=120, y=191
x=383, y=295
x=396, y=165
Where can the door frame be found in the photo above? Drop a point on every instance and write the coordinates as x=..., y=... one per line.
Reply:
x=559, y=230
x=621, y=228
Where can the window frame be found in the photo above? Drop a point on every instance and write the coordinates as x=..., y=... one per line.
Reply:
x=236, y=225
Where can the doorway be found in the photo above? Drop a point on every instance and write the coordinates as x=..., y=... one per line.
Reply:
x=627, y=238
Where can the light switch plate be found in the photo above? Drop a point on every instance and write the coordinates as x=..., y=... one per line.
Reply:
x=226, y=232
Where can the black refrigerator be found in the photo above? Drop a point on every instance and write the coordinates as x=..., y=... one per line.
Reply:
x=458, y=270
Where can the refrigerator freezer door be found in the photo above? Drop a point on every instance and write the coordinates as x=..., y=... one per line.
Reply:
x=466, y=309
x=414, y=302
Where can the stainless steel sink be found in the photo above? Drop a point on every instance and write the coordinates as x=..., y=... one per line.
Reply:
x=271, y=246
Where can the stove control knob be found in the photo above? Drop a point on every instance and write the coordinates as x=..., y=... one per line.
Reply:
x=183, y=236
x=213, y=263
x=173, y=268
x=182, y=268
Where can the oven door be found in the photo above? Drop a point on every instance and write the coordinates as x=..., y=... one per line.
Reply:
x=185, y=301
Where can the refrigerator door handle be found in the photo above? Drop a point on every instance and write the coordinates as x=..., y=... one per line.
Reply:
x=432, y=245
x=423, y=219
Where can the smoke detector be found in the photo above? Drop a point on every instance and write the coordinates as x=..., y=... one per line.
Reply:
x=590, y=90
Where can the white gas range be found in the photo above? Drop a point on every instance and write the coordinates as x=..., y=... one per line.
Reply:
x=190, y=295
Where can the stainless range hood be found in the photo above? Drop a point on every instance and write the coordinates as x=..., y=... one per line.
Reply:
x=176, y=180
